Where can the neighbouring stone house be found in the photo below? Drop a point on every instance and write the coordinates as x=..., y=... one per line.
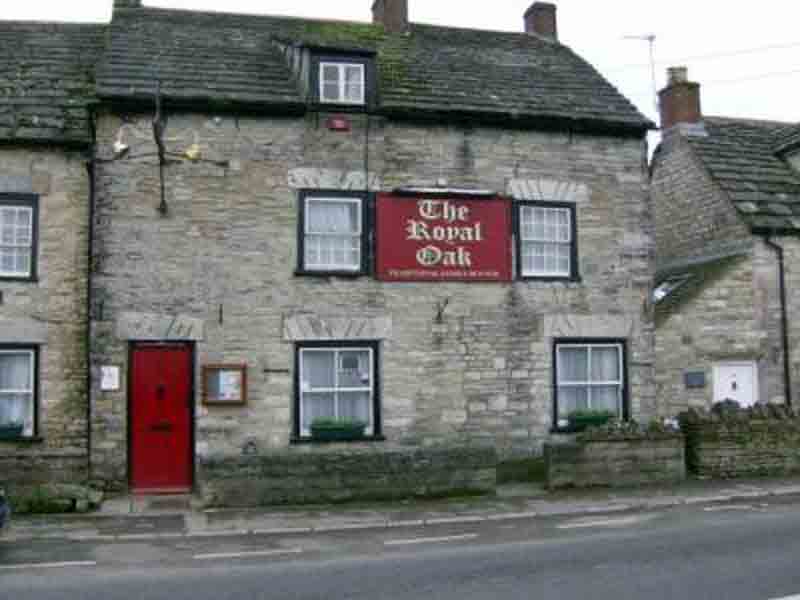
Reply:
x=45, y=144
x=442, y=232
x=726, y=197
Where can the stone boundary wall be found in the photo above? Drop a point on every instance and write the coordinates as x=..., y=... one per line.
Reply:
x=615, y=461
x=761, y=441
x=24, y=470
x=320, y=474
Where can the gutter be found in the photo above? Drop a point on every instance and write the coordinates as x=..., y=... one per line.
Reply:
x=787, y=372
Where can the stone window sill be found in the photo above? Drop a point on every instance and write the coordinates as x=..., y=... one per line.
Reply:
x=22, y=440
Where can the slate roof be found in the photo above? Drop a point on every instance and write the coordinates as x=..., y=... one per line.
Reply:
x=682, y=282
x=47, y=80
x=788, y=139
x=740, y=155
x=227, y=59
x=51, y=73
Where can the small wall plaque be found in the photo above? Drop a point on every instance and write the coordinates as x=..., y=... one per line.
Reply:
x=224, y=385
x=694, y=379
x=109, y=379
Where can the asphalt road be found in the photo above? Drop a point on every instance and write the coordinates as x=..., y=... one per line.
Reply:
x=729, y=552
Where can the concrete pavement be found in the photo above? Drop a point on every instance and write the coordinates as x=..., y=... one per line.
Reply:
x=131, y=518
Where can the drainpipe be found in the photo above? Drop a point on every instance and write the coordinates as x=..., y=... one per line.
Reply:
x=91, y=168
x=787, y=373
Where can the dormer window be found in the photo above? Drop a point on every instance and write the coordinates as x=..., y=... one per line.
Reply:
x=342, y=83
x=342, y=80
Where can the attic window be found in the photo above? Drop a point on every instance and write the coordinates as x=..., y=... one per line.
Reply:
x=342, y=83
x=668, y=286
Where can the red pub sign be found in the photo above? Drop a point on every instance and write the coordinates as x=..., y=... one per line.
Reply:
x=443, y=238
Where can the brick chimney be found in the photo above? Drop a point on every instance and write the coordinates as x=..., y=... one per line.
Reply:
x=680, y=100
x=392, y=14
x=540, y=19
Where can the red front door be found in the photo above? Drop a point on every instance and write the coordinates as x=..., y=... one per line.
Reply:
x=161, y=417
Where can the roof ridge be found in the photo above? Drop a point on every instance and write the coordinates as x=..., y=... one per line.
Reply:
x=76, y=24
x=754, y=121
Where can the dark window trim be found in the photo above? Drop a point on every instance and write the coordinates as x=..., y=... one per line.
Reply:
x=626, y=410
x=35, y=348
x=377, y=428
x=574, y=276
x=370, y=80
x=367, y=200
x=30, y=201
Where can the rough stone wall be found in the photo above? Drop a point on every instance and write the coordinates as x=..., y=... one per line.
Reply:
x=229, y=242
x=51, y=313
x=615, y=462
x=306, y=475
x=718, y=324
x=693, y=217
x=736, y=316
x=758, y=442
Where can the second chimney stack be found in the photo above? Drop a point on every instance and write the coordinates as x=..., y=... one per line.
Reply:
x=392, y=14
x=680, y=100
x=540, y=19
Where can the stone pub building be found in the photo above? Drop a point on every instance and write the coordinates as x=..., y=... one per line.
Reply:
x=440, y=232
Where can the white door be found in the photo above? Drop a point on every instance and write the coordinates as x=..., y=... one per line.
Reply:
x=736, y=381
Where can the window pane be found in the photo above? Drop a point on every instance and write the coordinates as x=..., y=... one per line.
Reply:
x=15, y=372
x=316, y=406
x=317, y=369
x=571, y=399
x=354, y=405
x=7, y=260
x=7, y=235
x=330, y=91
x=605, y=364
x=330, y=74
x=354, y=86
x=17, y=409
x=24, y=218
x=354, y=369
x=23, y=261
x=606, y=398
x=332, y=217
x=573, y=364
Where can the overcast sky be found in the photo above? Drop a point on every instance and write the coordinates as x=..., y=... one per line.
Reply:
x=746, y=54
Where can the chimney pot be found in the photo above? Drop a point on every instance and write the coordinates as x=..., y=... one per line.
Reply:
x=680, y=100
x=540, y=19
x=392, y=14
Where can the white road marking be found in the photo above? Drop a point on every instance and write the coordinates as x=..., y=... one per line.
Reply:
x=431, y=540
x=728, y=507
x=253, y=554
x=52, y=565
x=795, y=597
x=620, y=522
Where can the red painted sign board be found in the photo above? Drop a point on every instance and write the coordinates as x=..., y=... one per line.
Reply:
x=443, y=238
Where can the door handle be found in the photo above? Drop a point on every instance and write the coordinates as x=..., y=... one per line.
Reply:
x=163, y=426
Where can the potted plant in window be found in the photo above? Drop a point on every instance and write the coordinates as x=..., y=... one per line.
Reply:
x=329, y=429
x=11, y=430
x=579, y=420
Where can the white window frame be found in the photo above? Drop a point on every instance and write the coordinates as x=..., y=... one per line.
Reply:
x=32, y=391
x=358, y=235
x=30, y=246
x=336, y=390
x=590, y=384
x=342, y=80
x=525, y=241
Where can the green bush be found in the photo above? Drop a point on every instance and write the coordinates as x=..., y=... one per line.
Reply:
x=333, y=423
